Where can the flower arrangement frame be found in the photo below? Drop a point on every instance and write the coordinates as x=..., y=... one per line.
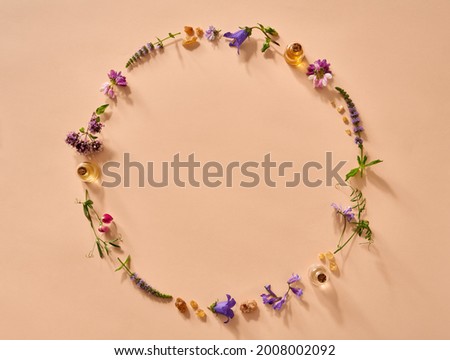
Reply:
x=86, y=142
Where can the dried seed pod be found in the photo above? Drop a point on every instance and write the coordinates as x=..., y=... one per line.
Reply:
x=322, y=257
x=345, y=119
x=181, y=305
x=340, y=109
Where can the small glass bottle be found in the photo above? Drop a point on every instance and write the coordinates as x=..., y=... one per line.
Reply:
x=88, y=171
x=294, y=54
x=318, y=275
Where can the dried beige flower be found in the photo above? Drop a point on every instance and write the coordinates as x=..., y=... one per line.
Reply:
x=248, y=306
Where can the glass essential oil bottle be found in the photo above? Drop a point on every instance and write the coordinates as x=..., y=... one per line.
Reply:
x=294, y=54
x=318, y=275
x=88, y=171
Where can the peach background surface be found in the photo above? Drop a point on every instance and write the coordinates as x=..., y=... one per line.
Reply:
x=201, y=243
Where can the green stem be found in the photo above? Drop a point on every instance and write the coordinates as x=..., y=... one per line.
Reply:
x=362, y=154
x=98, y=217
x=343, y=231
x=168, y=37
x=341, y=247
x=265, y=34
x=125, y=267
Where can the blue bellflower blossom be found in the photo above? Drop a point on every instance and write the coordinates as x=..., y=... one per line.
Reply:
x=238, y=37
x=224, y=307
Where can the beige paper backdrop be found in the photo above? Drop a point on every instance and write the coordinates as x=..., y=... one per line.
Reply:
x=202, y=243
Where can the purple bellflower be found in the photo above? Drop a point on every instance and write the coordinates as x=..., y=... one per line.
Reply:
x=238, y=37
x=224, y=307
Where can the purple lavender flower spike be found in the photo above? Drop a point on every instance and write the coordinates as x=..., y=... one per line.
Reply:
x=238, y=37
x=358, y=141
x=358, y=129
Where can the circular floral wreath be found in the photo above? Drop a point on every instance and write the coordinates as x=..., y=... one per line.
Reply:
x=86, y=142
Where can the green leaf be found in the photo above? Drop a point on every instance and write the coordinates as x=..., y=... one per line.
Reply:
x=271, y=31
x=359, y=159
x=123, y=263
x=265, y=46
x=112, y=244
x=351, y=173
x=82, y=130
x=171, y=35
x=374, y=162
x=86, y=212
x=92, y=137
x=101, y=109
x=89, y=203
x=365, y=159
x=99, y=248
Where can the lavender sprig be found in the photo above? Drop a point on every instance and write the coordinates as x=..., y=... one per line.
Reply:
x=148, y=48
x=357, y=129
x=139, y=282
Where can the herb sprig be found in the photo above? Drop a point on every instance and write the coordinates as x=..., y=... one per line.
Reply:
x=361, y=227
x=91, y=214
